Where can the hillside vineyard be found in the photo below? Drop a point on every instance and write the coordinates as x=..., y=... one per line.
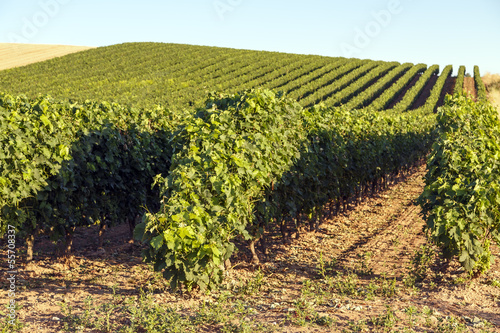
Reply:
x=180, y=76
x=207, y=145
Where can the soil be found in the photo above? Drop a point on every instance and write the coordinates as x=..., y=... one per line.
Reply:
x=373, y=243
x=470, y=87
x=449, y=87
x=403, y=92
x=425, y=93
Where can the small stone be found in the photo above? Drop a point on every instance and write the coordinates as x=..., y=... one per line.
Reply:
x=274, y=305
x=477, y=322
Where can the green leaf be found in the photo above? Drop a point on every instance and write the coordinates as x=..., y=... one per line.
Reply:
x=467, y=261
x=3, y=181
x=139, y=231
x=45, y=120
x=185, y=232
x=157, y=242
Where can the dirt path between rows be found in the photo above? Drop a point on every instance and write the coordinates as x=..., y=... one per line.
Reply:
x=448, y=89
x=425, y=93
x=404, y=91
x=470, y=87
x=353, y=274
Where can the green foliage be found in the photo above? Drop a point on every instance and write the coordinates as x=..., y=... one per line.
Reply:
x=67, y=164
x=7, y=325
x=32, y=148
x=349, y=149
x=382, y=102
x=432, y=101
x=480, y=88
x=421, y=262
x=338, y=79
x=360, y=85
x=462, y=194
x=179, y=76
x=385, y=320
x=459, y=84
x=248, y=158
x=232, y=151
x=365, y=96
x=411, y=95
x=251, y=157
x=304, y=313
x=174, y=75
x=225, y=171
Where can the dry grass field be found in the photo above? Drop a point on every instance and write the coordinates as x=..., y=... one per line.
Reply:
x=16, y=55
x=492, y=82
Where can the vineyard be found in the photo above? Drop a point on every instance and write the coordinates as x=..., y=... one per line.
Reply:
x=180, y=76
x=201, y=151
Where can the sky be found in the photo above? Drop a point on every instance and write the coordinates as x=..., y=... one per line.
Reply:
x=443, y=32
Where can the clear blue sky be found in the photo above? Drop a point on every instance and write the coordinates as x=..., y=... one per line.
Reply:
x=456, y=32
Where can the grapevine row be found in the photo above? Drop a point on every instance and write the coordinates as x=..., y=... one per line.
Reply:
x=459, y=84
x=460, y=200
x=383, y=101
x=342, y=82
x=480, y=88
x=261, y=71
x=356, y=87
x=307, y=89
x=307, y=78
x=274, y=72
x=412, y=94
x=253, y=157
x=78, y=164
x=364, y=97
x=432, y=100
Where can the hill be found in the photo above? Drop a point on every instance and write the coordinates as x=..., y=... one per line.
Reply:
x=178, y=75
x=16, y=55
